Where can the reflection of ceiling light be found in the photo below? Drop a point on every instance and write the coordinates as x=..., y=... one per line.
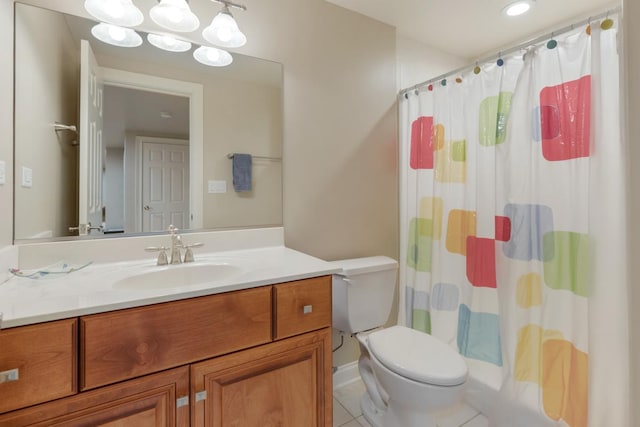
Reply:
x=169, y=43
x=212, y=56
x=115, y=35
x=174, y=15
x=518, y=7
x=117, y=12
x=224, y=30
x=166, y=115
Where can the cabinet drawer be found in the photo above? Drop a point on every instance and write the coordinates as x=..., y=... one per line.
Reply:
x=129, y=343
x=302, y=306
x=37, y=363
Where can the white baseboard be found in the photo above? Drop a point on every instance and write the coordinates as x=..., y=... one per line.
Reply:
x=346, y=374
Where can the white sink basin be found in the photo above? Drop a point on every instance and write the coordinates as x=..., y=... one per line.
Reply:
x=175, y=276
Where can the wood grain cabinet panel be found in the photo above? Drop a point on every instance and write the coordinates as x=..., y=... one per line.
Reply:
x=301, y=306
x=144, y=402
x=286, y=384
x=250, y=358
x=129, y=343
x=37, y=363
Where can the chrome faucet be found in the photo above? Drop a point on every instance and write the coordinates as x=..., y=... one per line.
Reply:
x=176, y=244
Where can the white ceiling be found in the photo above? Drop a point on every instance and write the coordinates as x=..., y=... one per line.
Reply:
x=472, y=28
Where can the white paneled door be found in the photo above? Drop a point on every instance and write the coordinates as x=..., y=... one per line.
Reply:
x=91, y=154
x=165, y=186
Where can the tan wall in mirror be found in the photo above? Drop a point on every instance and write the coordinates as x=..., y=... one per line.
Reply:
x=631, y=29
x=47, y=208
x=257, y=130
x=249, y=121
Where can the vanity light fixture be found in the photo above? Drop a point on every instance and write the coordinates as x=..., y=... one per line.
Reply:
x=223, y=30
x=174, y=15
x=117, y=12
x=212, y=56
x=168, y=43
x=117, y=16
x=518, y=7
x=115, y=35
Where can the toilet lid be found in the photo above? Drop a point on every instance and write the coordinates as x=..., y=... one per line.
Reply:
x=418, y=356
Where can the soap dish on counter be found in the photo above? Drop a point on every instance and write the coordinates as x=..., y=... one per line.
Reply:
x=50, y=272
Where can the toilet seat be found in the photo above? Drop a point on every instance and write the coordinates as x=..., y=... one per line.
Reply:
x=417, y=356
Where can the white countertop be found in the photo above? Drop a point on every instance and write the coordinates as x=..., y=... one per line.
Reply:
x=95, y=288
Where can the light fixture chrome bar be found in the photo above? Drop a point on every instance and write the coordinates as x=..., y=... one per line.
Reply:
x=231, y=4
x=505, y=53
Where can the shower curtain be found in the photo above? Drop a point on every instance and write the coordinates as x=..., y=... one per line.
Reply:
x=513, y=220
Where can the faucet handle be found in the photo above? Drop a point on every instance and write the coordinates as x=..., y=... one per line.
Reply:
x=172, y=229
x=188, y=253
x=162, y=255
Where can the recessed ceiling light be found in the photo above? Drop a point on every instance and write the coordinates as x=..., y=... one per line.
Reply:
x=518, y=7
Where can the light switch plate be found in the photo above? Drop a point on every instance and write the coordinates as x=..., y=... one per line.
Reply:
x=27, y=177
x=217, y=187
x=3, y=172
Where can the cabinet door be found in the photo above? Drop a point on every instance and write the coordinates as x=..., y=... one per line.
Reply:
x=285, y=383
x=150, y=401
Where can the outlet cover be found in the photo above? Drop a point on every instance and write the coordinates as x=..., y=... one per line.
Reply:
x=217, y=187
x=27, y=177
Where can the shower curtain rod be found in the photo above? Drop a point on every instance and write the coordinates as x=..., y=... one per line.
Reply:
x=511, y=50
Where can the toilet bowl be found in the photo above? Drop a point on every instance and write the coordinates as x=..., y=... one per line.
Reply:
x=407, y=374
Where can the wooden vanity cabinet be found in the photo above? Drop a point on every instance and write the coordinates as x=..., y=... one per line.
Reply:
x=248, y=358
x=141, y=402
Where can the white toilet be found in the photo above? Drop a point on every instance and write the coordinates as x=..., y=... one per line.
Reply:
x=408, y=374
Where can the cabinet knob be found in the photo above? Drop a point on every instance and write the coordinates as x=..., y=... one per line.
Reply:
x=9, y=376
x=307, y=309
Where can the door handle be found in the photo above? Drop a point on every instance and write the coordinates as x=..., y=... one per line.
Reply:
x=147, y=208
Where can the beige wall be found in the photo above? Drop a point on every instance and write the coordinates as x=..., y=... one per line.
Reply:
x=47, y=75
x=418, y=62
x=632, y=90
x=6, y=122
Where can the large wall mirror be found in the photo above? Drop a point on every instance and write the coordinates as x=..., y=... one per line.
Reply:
x=169, y=127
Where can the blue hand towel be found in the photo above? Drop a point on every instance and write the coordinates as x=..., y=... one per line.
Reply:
x=241, y=172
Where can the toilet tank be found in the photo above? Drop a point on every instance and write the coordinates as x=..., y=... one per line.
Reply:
x=363, y=292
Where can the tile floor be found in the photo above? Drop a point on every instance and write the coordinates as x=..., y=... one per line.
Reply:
x=347, y=413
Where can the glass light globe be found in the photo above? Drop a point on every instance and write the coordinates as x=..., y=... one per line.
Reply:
x=174, y=15
x=115, y=35
x=116, y=12
x=166, y=42
x=212, y=56
x=224, y=31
